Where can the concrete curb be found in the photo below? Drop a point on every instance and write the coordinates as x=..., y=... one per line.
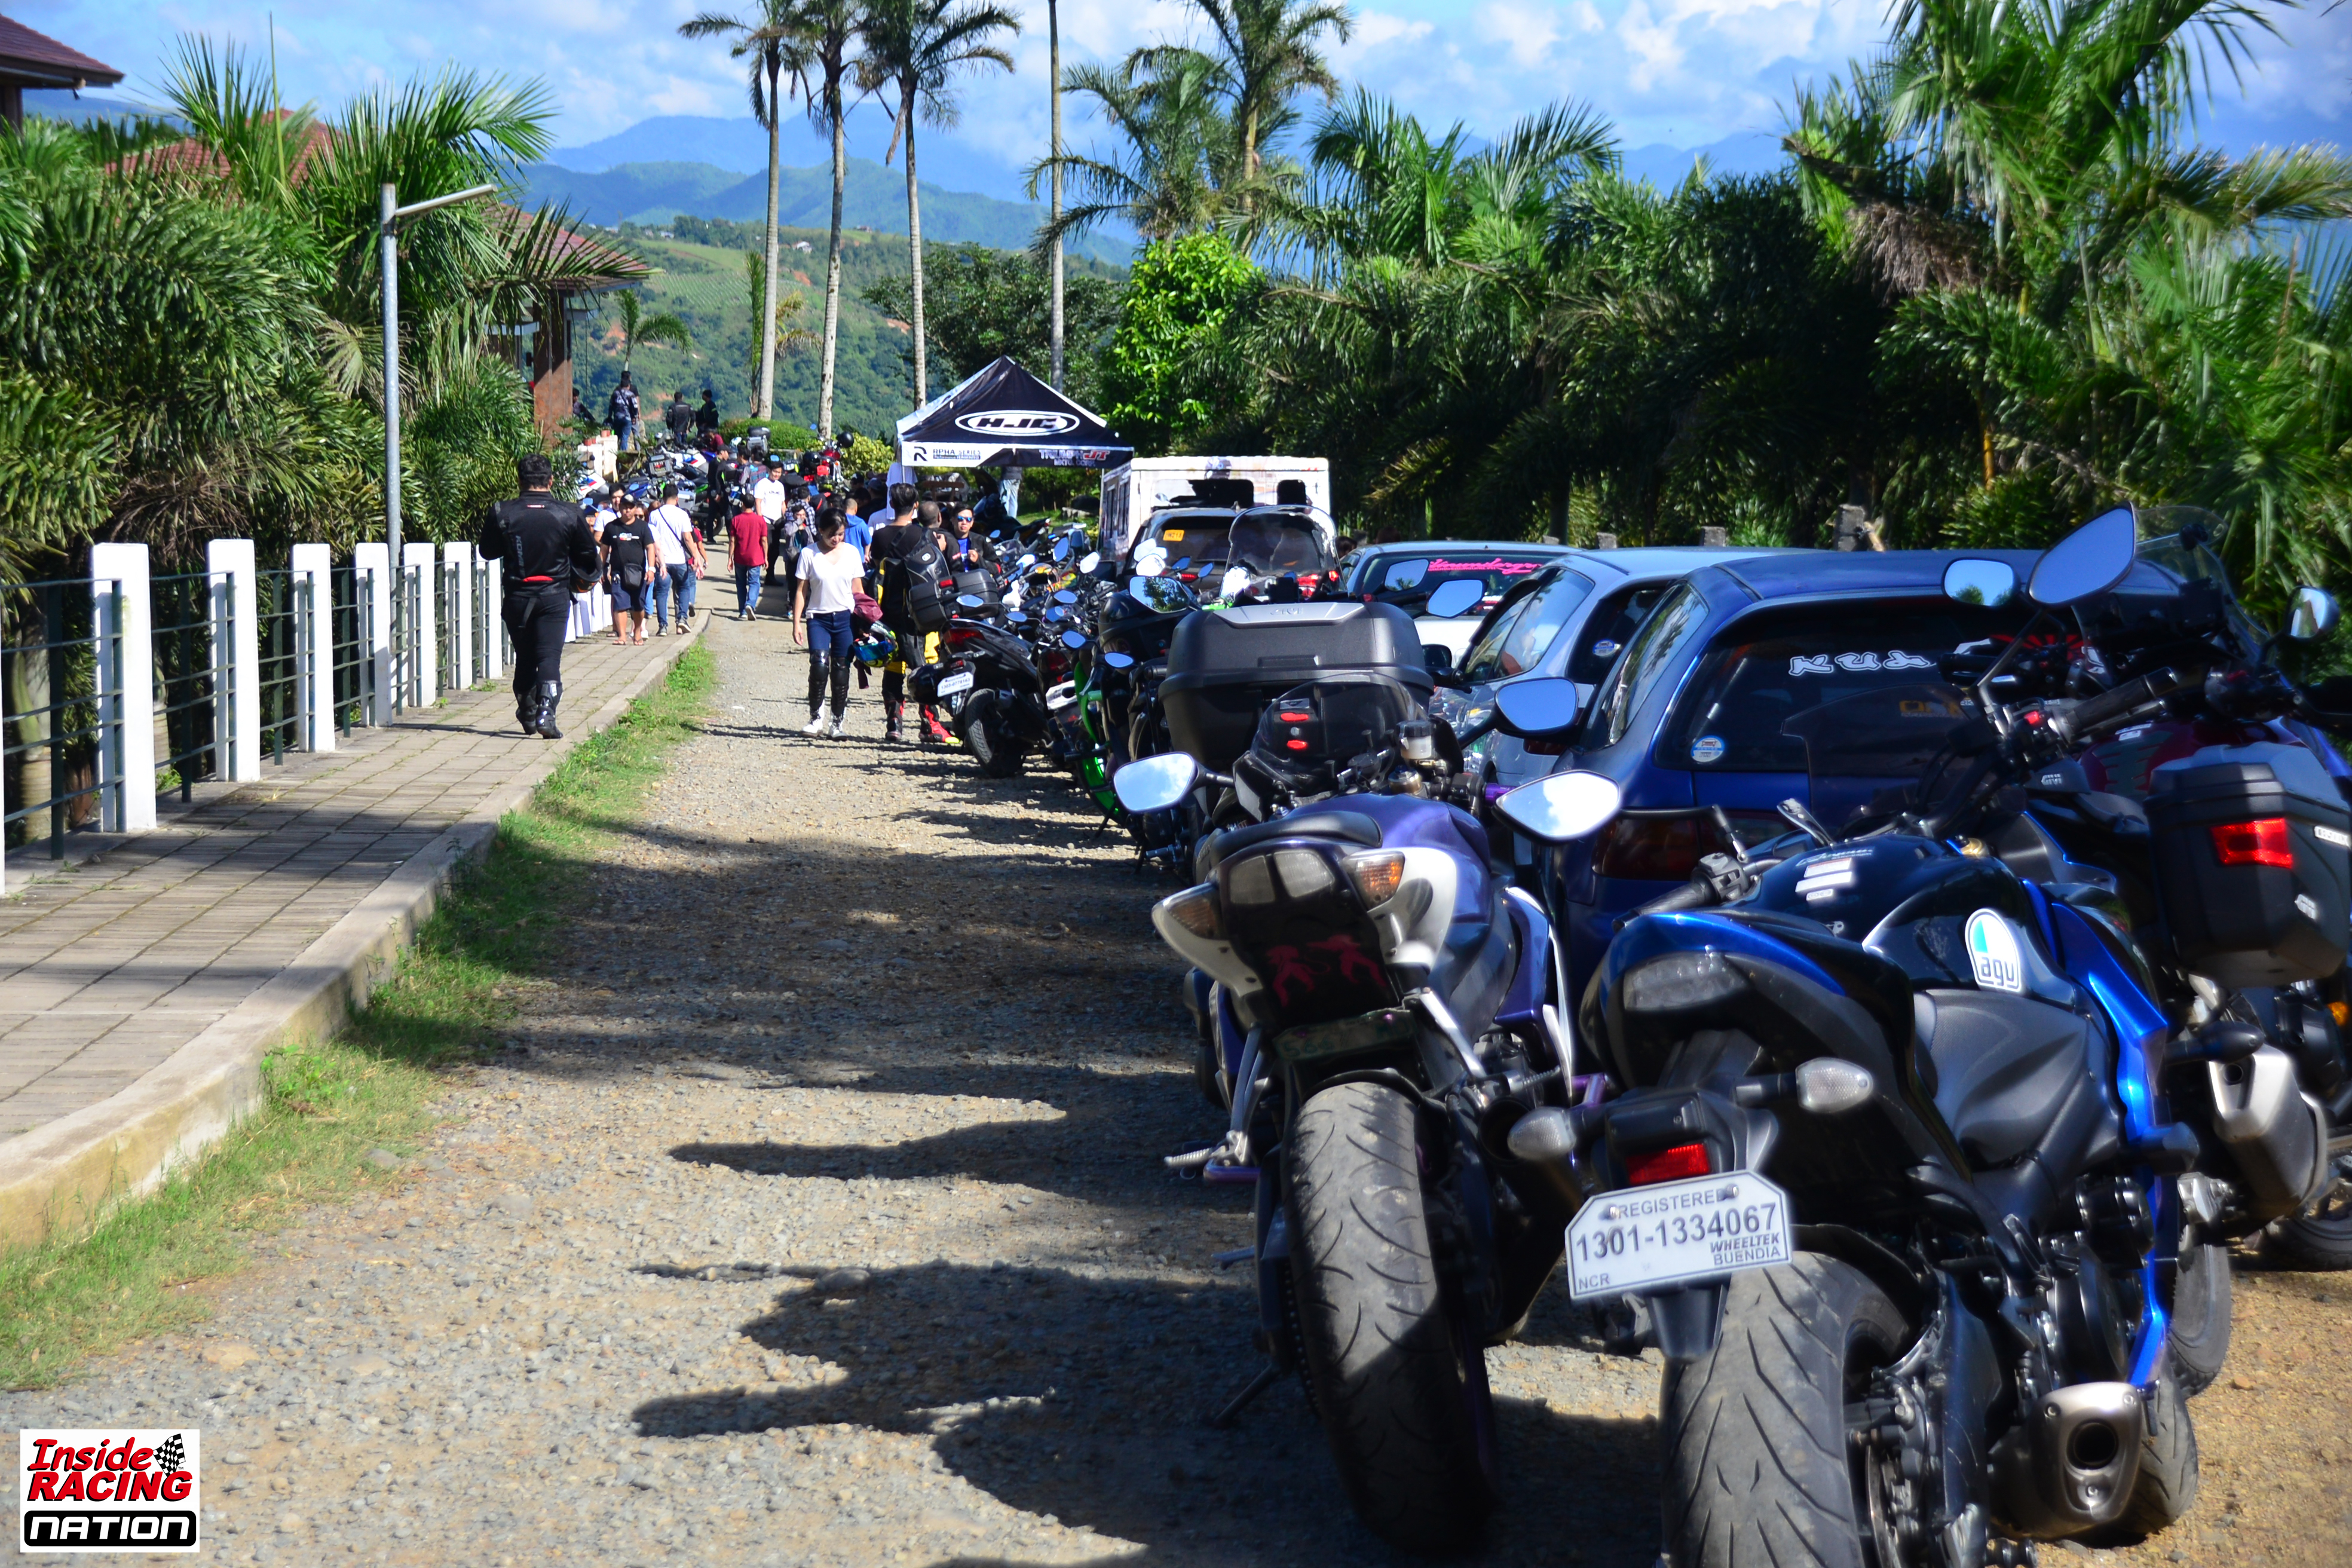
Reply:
x=61, y=1178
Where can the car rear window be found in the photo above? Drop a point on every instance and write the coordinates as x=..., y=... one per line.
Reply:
x=1763, y=672
x=1497, y=569
x=1523, y=633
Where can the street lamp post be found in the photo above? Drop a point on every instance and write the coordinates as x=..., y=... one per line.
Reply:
x=389, y=235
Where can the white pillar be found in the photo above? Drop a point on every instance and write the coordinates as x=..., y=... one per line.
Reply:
x=424, y=679
x=461, y=615
x=494, y=664
x=314, y=645
x=237, y=660
x=372, y=563
x=126, y=678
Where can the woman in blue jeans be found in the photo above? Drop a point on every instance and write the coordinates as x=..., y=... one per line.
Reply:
x=830, y=574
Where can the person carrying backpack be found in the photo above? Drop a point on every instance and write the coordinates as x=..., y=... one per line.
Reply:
x=543, y=546
x=912, y=609
x=621, y=412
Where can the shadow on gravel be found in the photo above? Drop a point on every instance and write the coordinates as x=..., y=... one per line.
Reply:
x=1087, y=1400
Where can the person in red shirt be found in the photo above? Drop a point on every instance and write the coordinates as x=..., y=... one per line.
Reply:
x=747, y=532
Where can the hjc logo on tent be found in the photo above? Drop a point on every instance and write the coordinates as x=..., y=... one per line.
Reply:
x=1017, y=422
x=110, y=1491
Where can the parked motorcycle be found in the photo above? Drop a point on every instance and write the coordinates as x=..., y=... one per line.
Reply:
x=1401, y=1006
x=1906, y=1139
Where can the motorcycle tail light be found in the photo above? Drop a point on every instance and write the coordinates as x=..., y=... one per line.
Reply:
x=964, y=636
x=1195, y=909
x=1667, y=1164
x=2261, y=842
x=1377, y=876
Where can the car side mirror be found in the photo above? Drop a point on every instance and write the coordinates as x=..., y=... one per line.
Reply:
x=1540, y=710
x=1561, y=807
x=1155, y=783
x=2313, y=616
x=1436, y=656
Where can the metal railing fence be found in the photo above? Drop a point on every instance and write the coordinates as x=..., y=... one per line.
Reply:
x=283, y=620
x=351, y=621
x=49, y=631
x=197, y=702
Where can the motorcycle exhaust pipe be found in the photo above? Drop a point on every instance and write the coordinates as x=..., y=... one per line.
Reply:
x=2069, y=1467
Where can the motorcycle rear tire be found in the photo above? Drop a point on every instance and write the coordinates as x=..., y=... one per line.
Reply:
x=2320, y=1239
x=2199, y=1332
x=1402, y=1393
x=997, y=757
x=1760, y=1467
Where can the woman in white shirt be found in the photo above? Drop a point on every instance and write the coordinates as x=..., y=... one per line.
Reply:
x=829, y=578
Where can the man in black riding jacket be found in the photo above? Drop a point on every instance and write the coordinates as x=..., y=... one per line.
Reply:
x=543, y=546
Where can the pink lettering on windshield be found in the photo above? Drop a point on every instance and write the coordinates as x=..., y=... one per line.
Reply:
x=1508, y=568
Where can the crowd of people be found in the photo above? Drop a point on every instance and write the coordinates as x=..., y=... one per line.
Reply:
x=854, y=556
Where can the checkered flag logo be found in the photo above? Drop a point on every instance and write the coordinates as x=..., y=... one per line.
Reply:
x=168, y=1457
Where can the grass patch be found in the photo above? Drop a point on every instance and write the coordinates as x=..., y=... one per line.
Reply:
x=330, y=1103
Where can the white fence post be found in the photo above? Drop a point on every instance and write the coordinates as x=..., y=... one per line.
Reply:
x=314, y=672
x=494, y=601
x=424, y=677
x=236, y=659
x=371, y=565
x=461, y=615
x=126, y=678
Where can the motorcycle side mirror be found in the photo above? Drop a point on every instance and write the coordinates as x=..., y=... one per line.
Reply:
x=1155, y=784
x=1074, y=640
x=1148, y=566
x=1015, y=618
x=1061, y=548
x=969, y=601
x=1455, y=598
x=1561, y=807
x=1063, y=596
x=1053, y=612
x=2315, y=614
x=2088, y=561
x=1089, y=562
x=1536, y=710
x=1025, y=562
x=1988, y=583
x=1237, y=581
x=1406, y=575
x=1120, y=660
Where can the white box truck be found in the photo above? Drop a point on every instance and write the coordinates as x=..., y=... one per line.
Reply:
x=1135, y=489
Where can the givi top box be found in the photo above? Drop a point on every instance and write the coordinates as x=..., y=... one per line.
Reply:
x=2253, y=864
x=1226, y=666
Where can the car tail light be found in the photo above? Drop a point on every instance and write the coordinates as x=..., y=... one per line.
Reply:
x=1194, y=908
x=1668, y=849
x=2261, y=842
x=1377, y=876
x=1667, y=1164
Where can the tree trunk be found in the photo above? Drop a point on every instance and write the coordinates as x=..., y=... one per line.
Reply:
x=833, y=258
x=915, y=253
x=1054, y=62
x=767, y=329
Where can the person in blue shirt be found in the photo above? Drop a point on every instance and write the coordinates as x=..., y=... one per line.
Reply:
x=854, y=530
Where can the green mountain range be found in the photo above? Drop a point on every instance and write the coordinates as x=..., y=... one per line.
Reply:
x=874, y=197
x=705, y=286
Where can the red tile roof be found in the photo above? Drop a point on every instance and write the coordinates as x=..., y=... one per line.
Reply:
x=36, y=57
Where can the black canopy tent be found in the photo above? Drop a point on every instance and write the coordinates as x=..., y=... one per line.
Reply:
x=1002, y=418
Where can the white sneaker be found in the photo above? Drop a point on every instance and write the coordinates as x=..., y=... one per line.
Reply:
x=815, y=726
x=839, y=733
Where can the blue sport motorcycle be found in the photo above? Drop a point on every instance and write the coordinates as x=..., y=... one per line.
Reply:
x=1393, y=1007
x=1908, y=1122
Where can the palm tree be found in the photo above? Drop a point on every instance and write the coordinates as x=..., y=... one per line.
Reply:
x=831, y=28
x=1271, y=53
x=1177, y=165
x=917, y=47
x=660, y=327
x=775, y=41
x=790, y=303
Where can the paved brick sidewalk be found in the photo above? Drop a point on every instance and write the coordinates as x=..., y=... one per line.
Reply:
x=108, y=969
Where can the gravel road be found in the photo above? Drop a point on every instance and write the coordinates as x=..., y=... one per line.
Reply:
x=815, y=1216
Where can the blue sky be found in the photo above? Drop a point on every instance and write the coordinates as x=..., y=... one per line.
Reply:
x=1680, y=73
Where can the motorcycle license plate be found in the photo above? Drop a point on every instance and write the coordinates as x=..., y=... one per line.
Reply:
x=1649, y=1239
x=952, y=684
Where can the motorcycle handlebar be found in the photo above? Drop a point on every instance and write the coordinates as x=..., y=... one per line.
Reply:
x=2109, y=705
x=1697, y=893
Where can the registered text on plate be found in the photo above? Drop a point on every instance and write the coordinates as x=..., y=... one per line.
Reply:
x=952, y=684
x=1643, y=1238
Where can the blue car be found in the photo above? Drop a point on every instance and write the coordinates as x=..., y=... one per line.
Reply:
x=1687, y=720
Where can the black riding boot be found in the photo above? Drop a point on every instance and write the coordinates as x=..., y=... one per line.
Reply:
x=894, y=705
x=840, y=687
x=527, y=711
x=549, y=693
x=818, y=670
